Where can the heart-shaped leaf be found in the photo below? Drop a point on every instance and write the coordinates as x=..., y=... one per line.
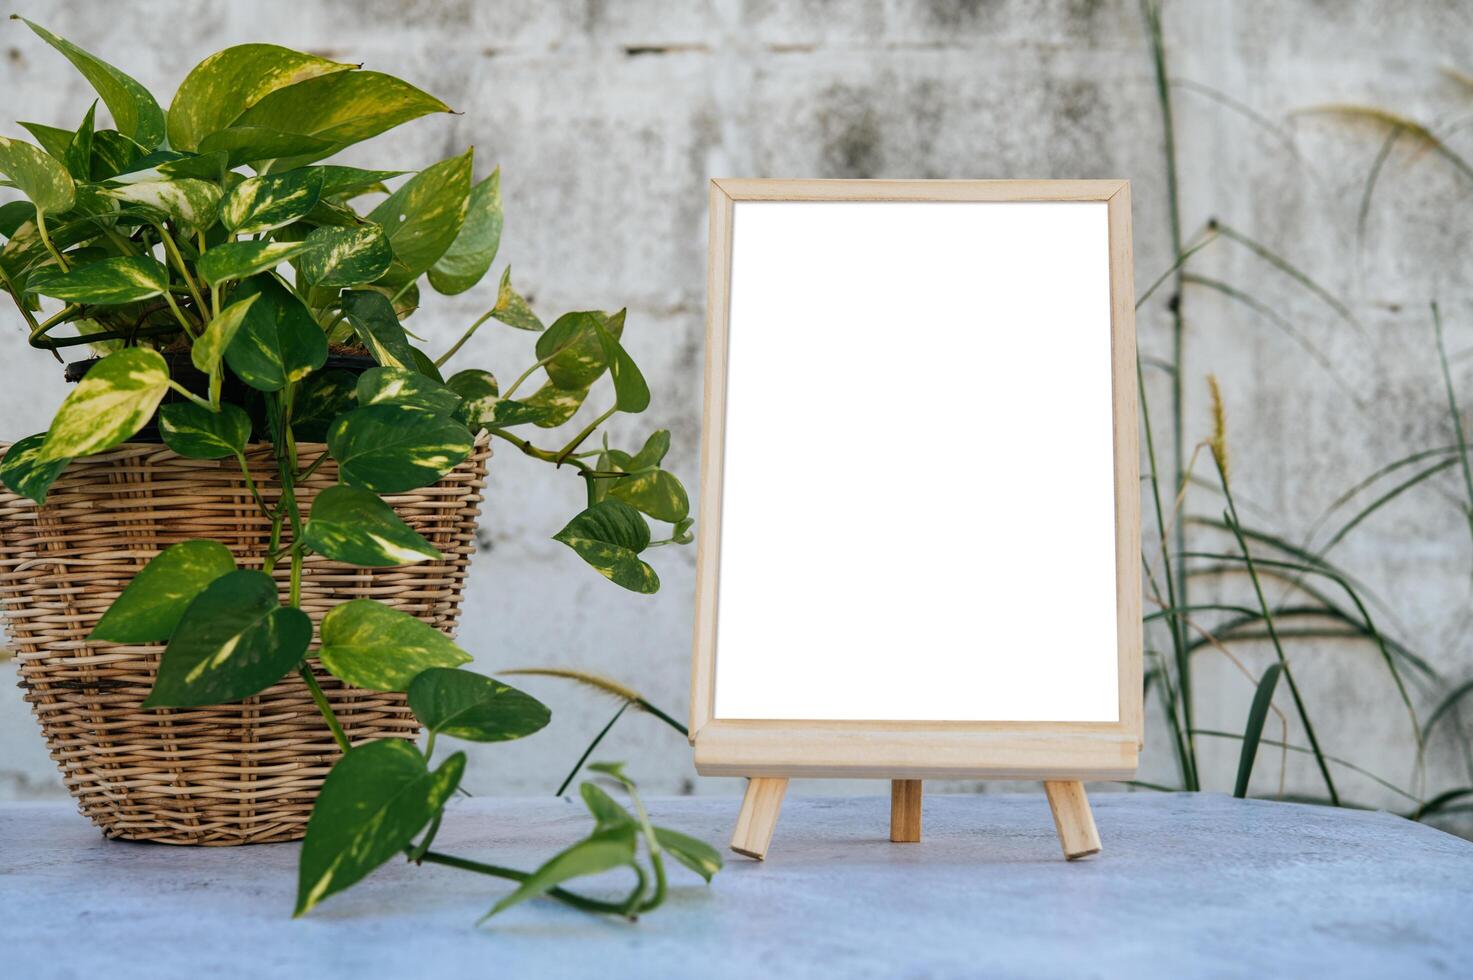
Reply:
x=204, y=166
x=198, y=433
x=631, y=392
x=373, y=803
x=39, y=176
x=114, y=154
x=23, y=473
x=322, y=398
x=278, y=342
x=424, y=216
x=346, y=182
x=697, y=855
x=464, y=705
x=241, y=260
x=604, y=850
x=511, y=309
x=188, y=201
x=356, y=527
x=78, y=154
x=53, y=139
x=134, y=111
x=110, y=282
x=341, y=108
x=150, y=608
x=556, y=405
x=478, y=393
x=234, y=640
x=369, y=645
x=609, y=536
x=657, y=493
x=572, y=351
x=469, y=257
x=260, y=204
x=605, y=809
x=372, y=317
x=409, y=389
x=252, y=144
x=392, y=449
x=346, y=256
x=209, y=347
x=215, y=93
x=115, y=399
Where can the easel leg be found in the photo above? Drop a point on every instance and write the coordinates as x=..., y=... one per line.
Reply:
x=905, y=810
x=758, y=816
x=1073, y=819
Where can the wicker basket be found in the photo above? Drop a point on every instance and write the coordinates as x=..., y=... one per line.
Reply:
x=231, y=774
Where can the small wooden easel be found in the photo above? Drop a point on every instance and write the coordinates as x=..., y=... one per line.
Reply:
x=1073, y=820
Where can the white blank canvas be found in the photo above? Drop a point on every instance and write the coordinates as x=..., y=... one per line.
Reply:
x=918, y=509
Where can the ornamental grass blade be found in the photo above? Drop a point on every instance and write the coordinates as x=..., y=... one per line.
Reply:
x=1257, y=714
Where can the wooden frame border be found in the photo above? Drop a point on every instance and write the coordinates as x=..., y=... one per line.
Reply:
x=921, y=749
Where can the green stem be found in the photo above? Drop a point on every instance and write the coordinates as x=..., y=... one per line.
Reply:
x=312, y=468
x=245, y=471
x=528, y=373
x=511, y=874
x=178, y=314
x=60, y=317
x=588, y=430
x=470, y=332
x=46, y=240
x=201, y=402
x=323, y=706
x=542, y=454
x=591, y=746
x=172, y=250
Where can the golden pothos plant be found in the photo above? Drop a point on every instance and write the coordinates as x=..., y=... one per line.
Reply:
x=229, y=289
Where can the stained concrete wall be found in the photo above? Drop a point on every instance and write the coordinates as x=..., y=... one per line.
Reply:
x=609, y=117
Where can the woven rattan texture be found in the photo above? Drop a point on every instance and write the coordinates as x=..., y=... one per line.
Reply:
x=230, y=774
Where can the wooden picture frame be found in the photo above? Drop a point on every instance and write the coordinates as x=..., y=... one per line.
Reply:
x=1057, y=752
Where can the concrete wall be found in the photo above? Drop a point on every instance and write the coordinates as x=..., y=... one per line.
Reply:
x=609, y=117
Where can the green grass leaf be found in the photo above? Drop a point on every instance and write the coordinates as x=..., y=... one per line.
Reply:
x=376, y=799
x=1257, y=714
x=464, y=705
x=356, y=527
x=234, y=640
x=149, y=609
x=198, y=433
x=116, y=398
x=369, y=645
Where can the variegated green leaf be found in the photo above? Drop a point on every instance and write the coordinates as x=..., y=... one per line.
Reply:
x=511, y=309
x=278, y=342
x=234, y=640
x=374, y=320
x=464, y=705
x=410, y=389
x=78, y=154
x=14, y=214
x=424, y=216
x=346, y=256
x=356, y=527
x=25, y=474
x=393, y=449
x=210, y=346
x=471, y=254
x=341, y=109
x=113, y=154
x=631, y=392
x=151, y=606
x=223, y=86
x=557, y=404
x=40, y=176
x=189, y=201
x=134, y=110
x=195, y=432
x=573, y=354
x=371, y=646
x=648, y=488
x=53, y=139
x=478, y=393
x=252, y=144
x=609, y=536
x=346, y=182
x=262, y=203
x=603, y=850
x=115, y=399
x=320, y=400
x=120, y=279
x=205, y=166
x=373, y=803
x=695, y=854
x=241, y=260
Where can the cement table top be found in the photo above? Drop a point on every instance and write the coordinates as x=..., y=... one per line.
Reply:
x=1187, y=885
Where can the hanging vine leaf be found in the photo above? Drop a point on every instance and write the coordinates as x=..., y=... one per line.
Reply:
x=464, y=705
x=115, y=399
x=39, y=176
x=151, y=606
x=278, y=342
x=198, y=433
x=469, y=257
x=259, y=204
x=609, y=536
x=355, y=526
x=25, y=474
x=511, y=309
x=369, y=645
x=110, y=282
x=392, y=449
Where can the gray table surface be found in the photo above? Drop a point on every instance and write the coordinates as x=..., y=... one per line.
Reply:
x=1187, y=885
